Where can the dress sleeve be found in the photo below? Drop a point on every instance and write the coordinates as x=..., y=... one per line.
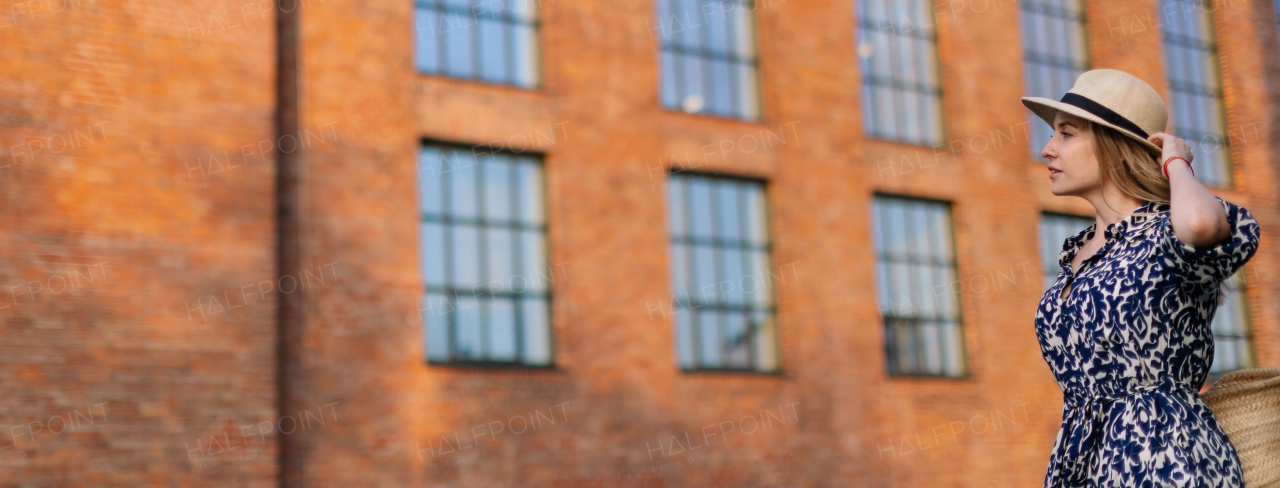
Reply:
x=1212, y=264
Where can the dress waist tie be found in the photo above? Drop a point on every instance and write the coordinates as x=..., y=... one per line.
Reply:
x=1085, y=417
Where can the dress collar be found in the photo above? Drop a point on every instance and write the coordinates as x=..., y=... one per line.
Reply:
x=1126, y=229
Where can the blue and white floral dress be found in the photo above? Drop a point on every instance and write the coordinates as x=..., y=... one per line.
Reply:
x=1131, y=345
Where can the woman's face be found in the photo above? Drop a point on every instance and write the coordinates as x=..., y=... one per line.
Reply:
x=1073, y=164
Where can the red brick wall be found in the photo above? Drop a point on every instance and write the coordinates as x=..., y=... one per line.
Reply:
x=615, y=411
x=159, y=205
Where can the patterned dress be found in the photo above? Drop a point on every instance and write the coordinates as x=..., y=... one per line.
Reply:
x=1131, y=345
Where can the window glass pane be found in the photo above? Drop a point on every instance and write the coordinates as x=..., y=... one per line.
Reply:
x=730, y=215
x=748, y=106
x=670, y=97
x=529, y=184
x=720, y=102
x=700, y=208
x=680, y=271
x=704, y=274
x=526, y=55
x=461, y=169
x=764, y=335
x=526, y=10
x=716, y=35
x=496, y=174
x=469, y=333
x=502, y=329
x=466, y=256
x=883, y=291
x=431, y=191
x=896, y=232
x=666, y=22
x=675, y=207
x=955, y=353
x=684, y=338
x=757, y=227
x=709, y=338
x=759, y=282
x=427, y=30
x=433, y=254
x=737, y=345
x=537, y=331
x=931, y=347
x=489, y=9
x=694, y=90
x=733, y=278
x=690, y=20
x=499, y=254
x=458, y=33
x=533, y=262
x=922, y=277
x=493, y=55
x=435, y=315
x=743, y=24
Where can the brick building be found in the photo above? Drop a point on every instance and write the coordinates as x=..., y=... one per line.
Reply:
x=623, y=243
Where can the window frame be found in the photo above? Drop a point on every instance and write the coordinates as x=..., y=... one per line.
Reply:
x=868, y=82
x=1214, y=53
x=1246, y=325
x=548, y=295
x=1040, y=232
x=959, y=317
x=705, y=58
x=509, y=43
x=687, y=240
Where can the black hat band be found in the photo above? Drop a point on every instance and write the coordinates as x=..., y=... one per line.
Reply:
x=1103, y=112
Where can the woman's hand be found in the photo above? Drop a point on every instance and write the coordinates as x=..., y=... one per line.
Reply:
x=1172, y=146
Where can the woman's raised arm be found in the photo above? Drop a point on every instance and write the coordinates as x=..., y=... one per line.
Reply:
x=1197, y=217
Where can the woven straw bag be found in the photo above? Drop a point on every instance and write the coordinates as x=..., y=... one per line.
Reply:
x=1246, y=404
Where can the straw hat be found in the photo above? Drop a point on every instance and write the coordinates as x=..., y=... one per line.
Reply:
x=1246, y=404
x=1111, y=98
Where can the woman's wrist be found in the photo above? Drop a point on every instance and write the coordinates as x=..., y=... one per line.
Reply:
x=1170, y=160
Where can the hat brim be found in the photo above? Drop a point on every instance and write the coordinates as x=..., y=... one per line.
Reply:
x=1048, y=108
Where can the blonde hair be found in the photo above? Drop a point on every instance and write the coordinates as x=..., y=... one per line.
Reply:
x=1127, y=163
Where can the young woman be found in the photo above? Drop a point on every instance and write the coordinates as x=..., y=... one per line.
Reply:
x=1125, y=328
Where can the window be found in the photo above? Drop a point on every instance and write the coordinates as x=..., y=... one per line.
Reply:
x=721, y=274
x=1191, y=67
x=708, y=61
x=915, y=268
x=1231, y=329
x=897, y=54
x=1054, y=53
x=488, y=40
x=483, y=241
x=1054, y=231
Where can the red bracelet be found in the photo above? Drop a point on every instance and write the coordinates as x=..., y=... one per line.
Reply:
x=1165, y=167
